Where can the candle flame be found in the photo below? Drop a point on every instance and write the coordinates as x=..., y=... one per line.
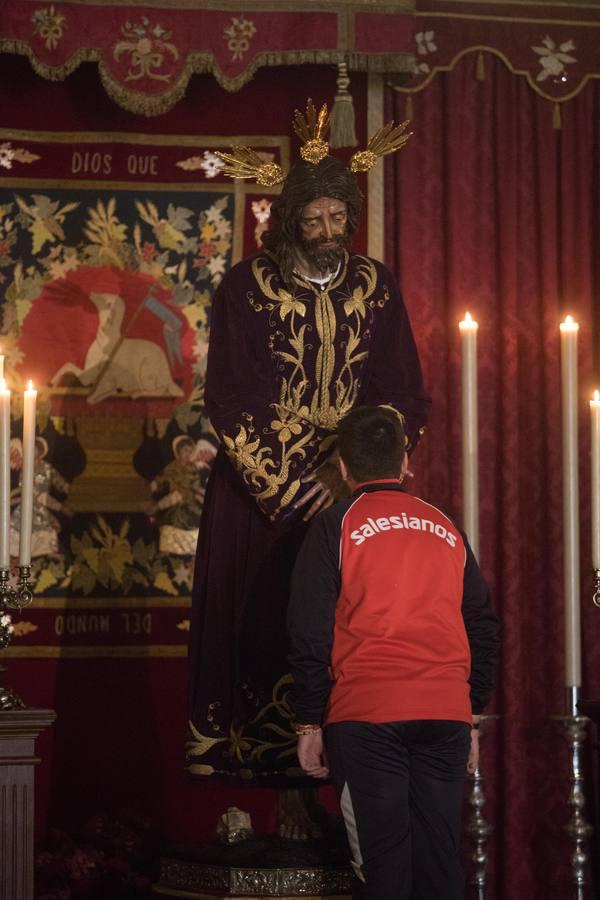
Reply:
x=30, y=385
x=596, y=396
x=468, y=323
x=569, y=324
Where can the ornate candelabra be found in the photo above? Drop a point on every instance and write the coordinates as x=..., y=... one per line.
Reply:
x=596, y=594
x=12, y=597
x=477, y=828
x=578, y=829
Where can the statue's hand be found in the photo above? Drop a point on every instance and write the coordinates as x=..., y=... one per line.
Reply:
x=319, y=496
x=329, y=473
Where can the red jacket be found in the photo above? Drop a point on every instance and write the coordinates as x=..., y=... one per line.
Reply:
x=389, y=616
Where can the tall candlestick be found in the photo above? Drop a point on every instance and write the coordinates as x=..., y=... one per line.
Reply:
x=568, y=354
x=470, y=451
x=4, y=475
x=595, y=423
x=29, y=400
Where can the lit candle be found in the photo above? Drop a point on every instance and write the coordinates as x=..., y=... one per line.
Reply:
x=470, y=458
x=4, y=475
x=1, y=367
x=29, y=399
x=568, y=355
x=595, y=422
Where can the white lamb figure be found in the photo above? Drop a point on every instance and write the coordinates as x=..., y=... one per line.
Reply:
x=120, y=366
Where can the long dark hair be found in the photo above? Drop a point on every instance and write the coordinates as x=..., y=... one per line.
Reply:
x=304, y=183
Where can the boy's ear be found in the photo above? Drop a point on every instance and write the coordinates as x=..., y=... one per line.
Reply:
x=404, y=468
x=343, y=468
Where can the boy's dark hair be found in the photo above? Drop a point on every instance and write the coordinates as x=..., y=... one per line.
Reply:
x=372, y=443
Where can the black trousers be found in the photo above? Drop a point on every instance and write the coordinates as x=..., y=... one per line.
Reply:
x=400, y=786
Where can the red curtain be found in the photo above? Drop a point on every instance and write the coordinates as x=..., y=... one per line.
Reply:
x=491, y=209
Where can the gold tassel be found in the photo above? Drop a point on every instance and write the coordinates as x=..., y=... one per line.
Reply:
x=480, y=67
x=556, y=117
x=408, y=107
x=342, y=132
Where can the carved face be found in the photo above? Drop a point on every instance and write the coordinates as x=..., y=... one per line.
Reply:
x=324, y=219
x=323, y=231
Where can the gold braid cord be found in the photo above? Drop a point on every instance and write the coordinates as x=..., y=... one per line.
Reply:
x=244, y=162
x=387, y=140
x=312, y=130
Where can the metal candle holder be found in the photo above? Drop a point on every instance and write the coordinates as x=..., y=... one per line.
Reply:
x=12, y=597
x=596, y=594
x=477, y=828
x=578, y=829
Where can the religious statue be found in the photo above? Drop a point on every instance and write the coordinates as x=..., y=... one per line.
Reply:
x=301, y=333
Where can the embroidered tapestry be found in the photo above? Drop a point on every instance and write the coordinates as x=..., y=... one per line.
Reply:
x=110, y=249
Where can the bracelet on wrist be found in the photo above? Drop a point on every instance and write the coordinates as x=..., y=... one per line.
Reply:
x=306, y=729
x=474, y=726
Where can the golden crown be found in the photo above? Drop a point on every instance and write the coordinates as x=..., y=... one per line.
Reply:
x=312, y=128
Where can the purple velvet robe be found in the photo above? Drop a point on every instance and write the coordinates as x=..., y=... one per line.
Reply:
x=284, y=366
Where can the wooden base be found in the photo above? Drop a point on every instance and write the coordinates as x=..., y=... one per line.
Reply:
x=19, y=729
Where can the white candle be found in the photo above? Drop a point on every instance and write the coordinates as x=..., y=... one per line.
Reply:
x=470, y=451
x=568, y=355
x=595, y=423
x=4, y=475
x=29, y=399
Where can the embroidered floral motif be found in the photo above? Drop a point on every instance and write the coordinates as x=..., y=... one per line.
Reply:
x=49, y=25
x=425, y=43
x=10, y=154
x=148, y=47
x=7, y=154
x=21, y=628
x=211, y=164
x=261, y=210
x=553, y=58
x=238, y=36
x=249, y=749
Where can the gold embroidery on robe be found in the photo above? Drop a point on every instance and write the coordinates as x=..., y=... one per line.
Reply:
x=309, y=408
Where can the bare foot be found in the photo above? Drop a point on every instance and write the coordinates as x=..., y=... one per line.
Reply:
x=293, y=813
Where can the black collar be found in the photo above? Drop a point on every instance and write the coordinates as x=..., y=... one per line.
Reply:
x=368, y=487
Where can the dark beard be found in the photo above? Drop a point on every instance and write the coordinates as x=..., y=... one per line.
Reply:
x=325, y=259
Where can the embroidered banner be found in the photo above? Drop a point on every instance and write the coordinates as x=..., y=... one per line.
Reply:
x=106, y=278
x=147, y=55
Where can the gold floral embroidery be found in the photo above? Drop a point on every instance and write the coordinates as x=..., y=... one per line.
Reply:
x=238, y=36
x=148, y=45
x=307, y=407
x=49, y=25
x=242, y=747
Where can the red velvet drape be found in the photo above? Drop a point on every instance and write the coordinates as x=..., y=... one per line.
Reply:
x=491, y=209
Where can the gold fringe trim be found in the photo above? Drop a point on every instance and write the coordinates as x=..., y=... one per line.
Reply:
x=556, y=117
x=480, y=67
x=199, y=63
